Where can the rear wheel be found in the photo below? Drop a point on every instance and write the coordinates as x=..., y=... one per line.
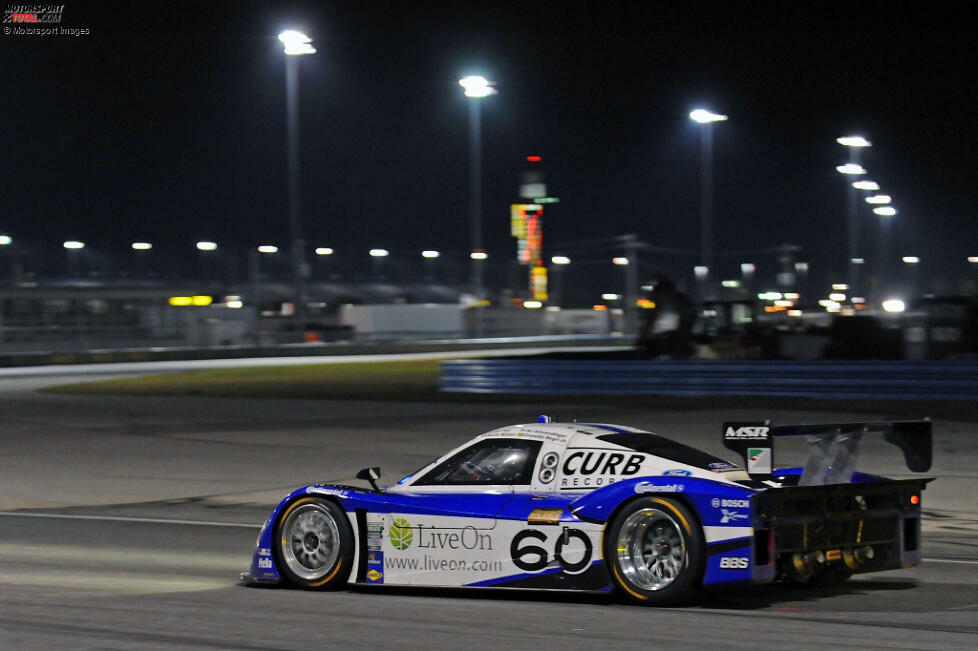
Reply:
x=654, y=548
x=314, y=544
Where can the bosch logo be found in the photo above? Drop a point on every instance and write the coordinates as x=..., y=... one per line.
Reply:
x=737, y=504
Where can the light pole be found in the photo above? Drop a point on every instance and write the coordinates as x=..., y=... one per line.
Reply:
x=205, y=247
x=885, y=213
x=140, y=249
x=558, y=262
x=70, y=246
x=476, y=88
x=706, y=119
x=296, y=44
x=855, y=144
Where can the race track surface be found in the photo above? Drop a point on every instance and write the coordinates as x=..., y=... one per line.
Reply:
x=125, y=523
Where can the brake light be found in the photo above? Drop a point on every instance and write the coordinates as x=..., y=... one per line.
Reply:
x=915, y=499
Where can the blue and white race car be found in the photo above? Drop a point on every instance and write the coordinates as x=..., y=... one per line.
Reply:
x=596, y=507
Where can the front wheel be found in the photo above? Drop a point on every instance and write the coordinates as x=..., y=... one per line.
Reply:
x=314, y=544
x=655, y=550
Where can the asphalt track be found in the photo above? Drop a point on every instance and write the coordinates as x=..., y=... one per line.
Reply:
x=125, y=522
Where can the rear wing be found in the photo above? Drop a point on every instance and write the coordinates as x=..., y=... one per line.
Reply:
x=833, y=449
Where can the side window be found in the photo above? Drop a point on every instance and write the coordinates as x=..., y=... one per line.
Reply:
x=490, y=461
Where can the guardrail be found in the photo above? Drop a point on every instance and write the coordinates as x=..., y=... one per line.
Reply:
x=866, y=380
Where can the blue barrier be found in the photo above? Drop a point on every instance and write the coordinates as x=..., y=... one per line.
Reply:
x=864, y=380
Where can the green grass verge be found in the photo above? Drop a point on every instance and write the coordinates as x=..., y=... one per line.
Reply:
x=410, y=380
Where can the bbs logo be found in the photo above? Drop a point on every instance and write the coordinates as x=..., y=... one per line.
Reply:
x=734, y=563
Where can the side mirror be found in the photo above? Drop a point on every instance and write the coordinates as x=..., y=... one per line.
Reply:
x=371, y=475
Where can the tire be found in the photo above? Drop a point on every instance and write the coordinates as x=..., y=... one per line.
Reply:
x=655, y=548
x=314, y=544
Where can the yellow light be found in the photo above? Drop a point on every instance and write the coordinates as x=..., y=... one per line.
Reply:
x=202, y=301
x=181, y=301
x=599, y=308
x=645, y=304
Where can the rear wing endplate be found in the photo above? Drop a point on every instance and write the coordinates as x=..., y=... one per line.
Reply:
x=833, y=449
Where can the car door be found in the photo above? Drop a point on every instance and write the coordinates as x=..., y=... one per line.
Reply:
x=442, y=530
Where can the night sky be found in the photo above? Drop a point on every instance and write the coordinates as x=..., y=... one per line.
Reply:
x=167, y=123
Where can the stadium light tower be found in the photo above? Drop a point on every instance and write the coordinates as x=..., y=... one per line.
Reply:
x=476, y=89
x=295, y=45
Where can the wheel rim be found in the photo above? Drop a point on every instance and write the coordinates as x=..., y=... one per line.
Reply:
x=310, y=541
x=651, y=549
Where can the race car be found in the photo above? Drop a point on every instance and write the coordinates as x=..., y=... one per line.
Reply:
x=598, y=507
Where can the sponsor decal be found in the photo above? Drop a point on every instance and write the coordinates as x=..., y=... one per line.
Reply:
x=531, y=557
x=264, y=563
x=734, y=563
x=717, y=465
x=545, y=516
x=759, y=460
x=594, y=468
x=731, y=516
x=316, y=490
x=428, y=563
x=548, y=467
x=375, y=565
x=468, y=538
x=596, y=462
x=677, y=472
x=716, y=502
x=401, y=535
x=646, y=487
x=746, y=432
x=375, y=535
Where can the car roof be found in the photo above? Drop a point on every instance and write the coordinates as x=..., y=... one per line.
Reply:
x=563, y=434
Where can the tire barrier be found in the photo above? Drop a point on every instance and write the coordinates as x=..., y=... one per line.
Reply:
x=865, y=380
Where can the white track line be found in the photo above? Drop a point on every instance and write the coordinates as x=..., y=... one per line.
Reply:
x=113, y=518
